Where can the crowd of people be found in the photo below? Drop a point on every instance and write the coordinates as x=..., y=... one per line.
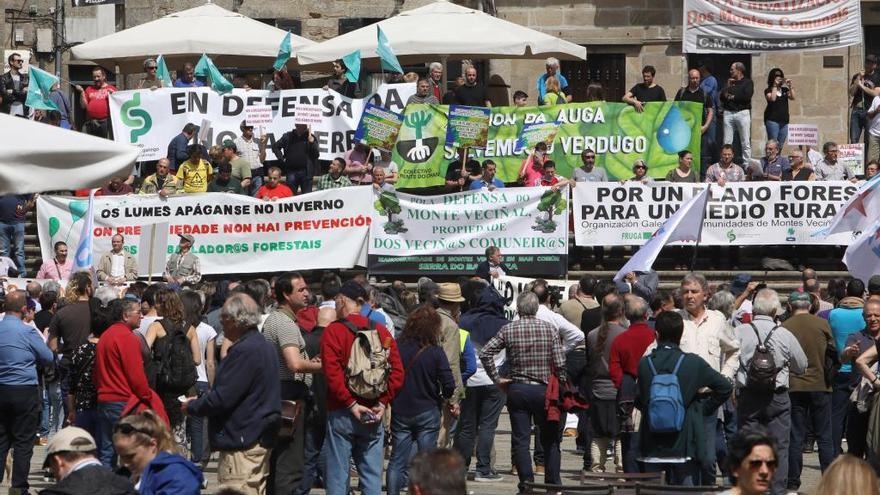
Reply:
x=293, y=390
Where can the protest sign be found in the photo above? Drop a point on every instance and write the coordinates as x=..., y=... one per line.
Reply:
x=615, y=131
x=734, y=26
x=467, y=127
x=537, y=132
x=378, y=127
x=803, y=134
x=150, y=119
x=853, y=156
x=307, y=114
x=765, y=213
x=449, y=234
x=233, y=233
x=258, y=115
x=511, y=287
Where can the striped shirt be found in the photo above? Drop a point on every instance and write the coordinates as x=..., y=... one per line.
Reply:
x=533, y=348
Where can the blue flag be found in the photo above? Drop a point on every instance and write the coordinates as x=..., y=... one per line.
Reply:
x=352, y=63
x=386, y=54
x=83, y=259
x=283, y=53
x=162, y=73
x=39, y=89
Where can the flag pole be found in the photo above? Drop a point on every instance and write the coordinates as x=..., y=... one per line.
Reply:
x=700, y=236
x=152, y=247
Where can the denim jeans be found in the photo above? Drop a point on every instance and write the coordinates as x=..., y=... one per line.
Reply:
x=12, y=243
x=841, y=388
x=299, y=179
x=195, y=429
x=108, y=414
x=809, y=408
x=256, y=180
x=740, y=122
x=773, y=411
x=776, y=131
x=53, y=417
x=523, y=402
x=315, y=454
x=857, y=121
x=89, y=420
x=629, y=444
x=420, y=431
x=348, y=438
x=677, y=473
x=706, y=474
x=480, y=411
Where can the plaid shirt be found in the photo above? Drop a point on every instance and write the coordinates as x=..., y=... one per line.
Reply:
x=328, y=182
x=533, y=350
x=250, y=151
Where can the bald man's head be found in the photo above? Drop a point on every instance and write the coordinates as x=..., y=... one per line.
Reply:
x=16, y=302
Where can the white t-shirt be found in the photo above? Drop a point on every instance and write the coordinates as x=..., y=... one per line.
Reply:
x=17, y=107
x=204, y=333
x=146, y=321
x=117, y=265
x=874, y=128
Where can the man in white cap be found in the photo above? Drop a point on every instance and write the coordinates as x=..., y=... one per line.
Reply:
x=183, y=267
x=72, y=459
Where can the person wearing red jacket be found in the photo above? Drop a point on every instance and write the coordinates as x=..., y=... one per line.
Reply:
x=119, y=374
x=354, y=424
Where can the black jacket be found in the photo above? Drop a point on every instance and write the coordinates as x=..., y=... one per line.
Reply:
x=483, y=270
x=296, y=152
x=19, y=95
x=91, y=480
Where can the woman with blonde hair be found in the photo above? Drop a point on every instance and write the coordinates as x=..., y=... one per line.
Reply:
x=554, y=95
x=848, y=474
x=146, y=448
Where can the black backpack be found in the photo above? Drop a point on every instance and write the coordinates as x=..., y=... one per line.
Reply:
x=175, y=368
x=761, y=369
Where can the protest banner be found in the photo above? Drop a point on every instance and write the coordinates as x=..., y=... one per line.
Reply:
x=511, y=287
x=233, y=233
x=734, y=26
x=853, y=156
x=150, y=119
x=467, y=127
x=258, y=115
x=307, y=114
x=765, y=213
x=449, y=234
x=803, y=134
x=537, y=132
x=378, y=127
x=615, y=131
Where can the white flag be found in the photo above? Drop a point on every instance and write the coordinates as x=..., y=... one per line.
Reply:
x=859, y=212
x=152, y=248
x=862, y=258
x=685, y=225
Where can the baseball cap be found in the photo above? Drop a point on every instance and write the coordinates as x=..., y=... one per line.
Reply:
x=739, y=284
x=798, y=296
x=188, y=237
x=228, y=143
x=70, y=439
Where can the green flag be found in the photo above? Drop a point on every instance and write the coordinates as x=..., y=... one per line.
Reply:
x=283, y=53
x=352, y=66
x=162, y=73
x=386, y=54
x=206, y=68
x=40, y=86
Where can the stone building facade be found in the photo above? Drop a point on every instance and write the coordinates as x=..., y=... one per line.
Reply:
x=620, y=35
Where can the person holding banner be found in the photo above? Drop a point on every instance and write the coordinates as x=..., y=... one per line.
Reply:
x=273, y=188
x=423, y=94
x=334, y=178
x=117, y=266
x=640, y=173
x=162, y=182
x=830, y=168
x=725, y=171
x=798, y=170
x=684, y=172
x=358, y=164
x=187, y=77
x=533, y=167
x=488, y=180
x=151, y=68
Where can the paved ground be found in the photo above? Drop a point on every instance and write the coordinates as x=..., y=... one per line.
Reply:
x=571, y=464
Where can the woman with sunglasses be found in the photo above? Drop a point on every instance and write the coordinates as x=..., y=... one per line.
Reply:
x=640, y=172
x=778, y=93
x=145, y=447
x=752, y=459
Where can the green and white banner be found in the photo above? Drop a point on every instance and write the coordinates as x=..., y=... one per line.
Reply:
x=151, y=118
x=233, y=233
x=615, y=131
x=449, y=234
x=749, y=213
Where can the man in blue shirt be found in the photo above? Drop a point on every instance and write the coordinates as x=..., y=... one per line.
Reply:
x=186, y=77
x=13, y=208
x=21, y=349
x=177, y=147
x=552, y=66
x=488, y=181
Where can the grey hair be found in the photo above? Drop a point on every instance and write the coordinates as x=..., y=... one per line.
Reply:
x=242, y=309
x=635, y=308
x=552, y=61
x=573, y=290
x=740, y=67
x=773, y=142
x=527, y=304
x=51, y=286
x=722, y=301
x=435, y=65
x=766, y=303
x=692, y=278
x=106, y=295
x=800, y=305
x=130, y=306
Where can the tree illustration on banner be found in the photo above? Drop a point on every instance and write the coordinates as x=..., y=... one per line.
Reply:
x=389, y=204
x=552, y=203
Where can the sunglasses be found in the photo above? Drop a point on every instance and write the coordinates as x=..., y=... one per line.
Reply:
x=128, y=429
x=153, y=67
x=757, y=463
x=639, y=166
